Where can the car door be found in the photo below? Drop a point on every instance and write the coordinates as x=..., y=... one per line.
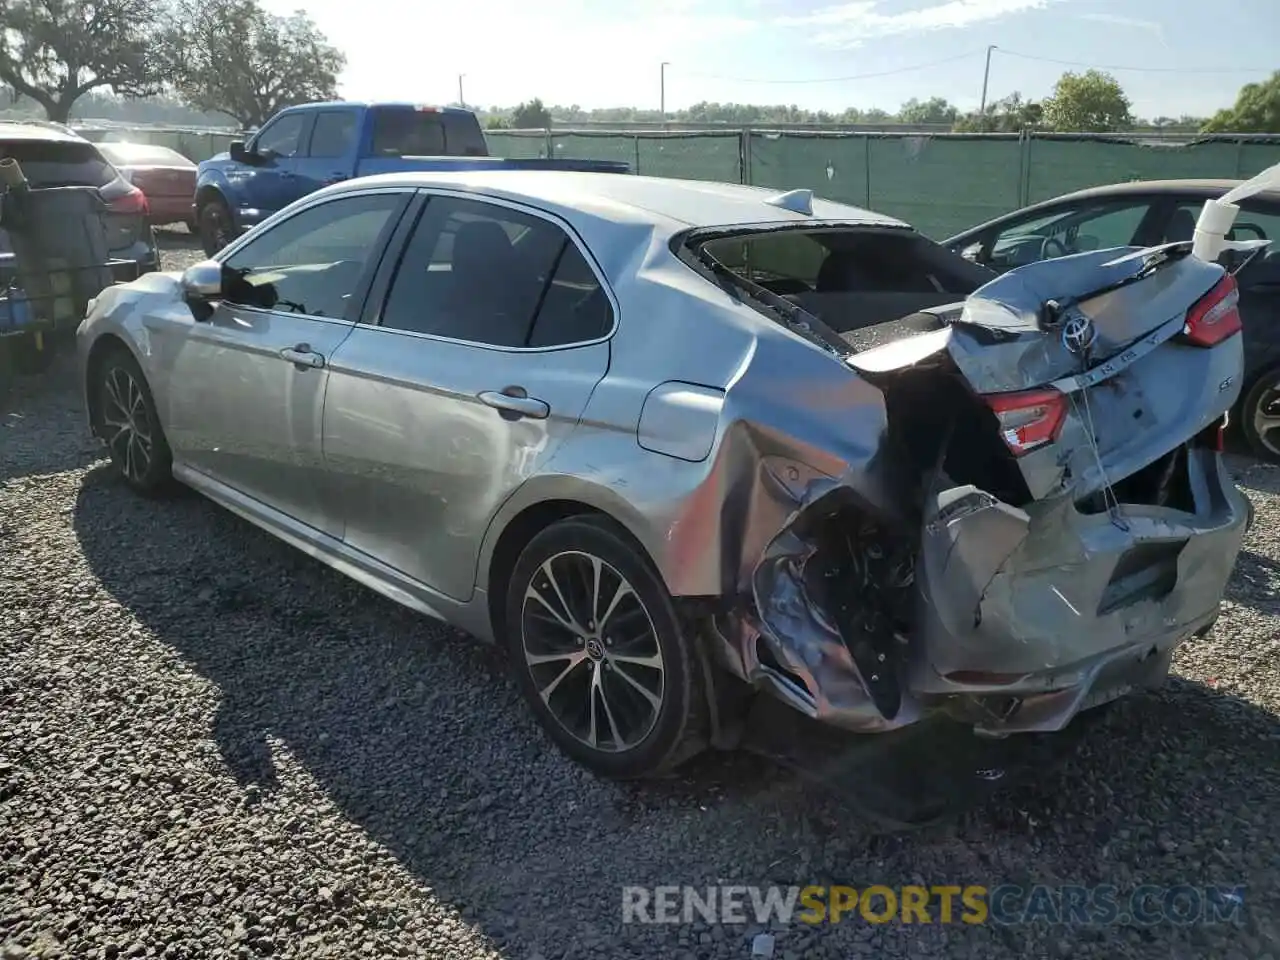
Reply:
x=247, y=385
x=274, y=182
x=477, y=363
x=1090, y=223
x=330, y=155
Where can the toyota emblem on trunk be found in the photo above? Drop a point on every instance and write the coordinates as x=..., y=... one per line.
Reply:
x=1078, y=334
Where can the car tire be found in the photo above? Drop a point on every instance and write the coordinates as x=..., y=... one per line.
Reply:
x=634, y=675
x=214, y=225
x=126, y=421
x=1260, y=406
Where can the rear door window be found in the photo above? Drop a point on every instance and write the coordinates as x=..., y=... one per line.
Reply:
x=487, y=274
x=406, y=132
x=334, y=133
x=59, y=163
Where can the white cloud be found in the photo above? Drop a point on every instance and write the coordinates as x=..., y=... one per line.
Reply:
x=848, y=24
x=1116, y=20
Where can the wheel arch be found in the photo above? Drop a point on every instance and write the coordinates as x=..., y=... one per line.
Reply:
x=102, y=348
x=207, y=192
x=510, y=534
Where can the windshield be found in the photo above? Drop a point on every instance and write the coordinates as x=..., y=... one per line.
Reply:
x=405, y=132
x=59, y=163
x=127, y=154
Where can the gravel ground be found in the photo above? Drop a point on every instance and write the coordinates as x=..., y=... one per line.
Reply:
x=212, y=746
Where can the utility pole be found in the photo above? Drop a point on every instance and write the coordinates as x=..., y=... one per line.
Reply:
x=986, y=75
x=662, y=90
x=461, y=99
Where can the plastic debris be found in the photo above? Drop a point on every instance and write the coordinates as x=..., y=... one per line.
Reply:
x=762, y=945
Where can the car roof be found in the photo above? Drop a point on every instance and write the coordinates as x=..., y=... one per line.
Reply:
x=369, y=104
x=1195, y=187
x=37, y=130
x=625, y=198
x=1203, y=188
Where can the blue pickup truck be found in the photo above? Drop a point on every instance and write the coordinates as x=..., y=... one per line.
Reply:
x=304, y=148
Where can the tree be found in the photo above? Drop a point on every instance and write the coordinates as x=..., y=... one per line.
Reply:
x=531, y=116
x=56, y=51
x=933, y=110
x=1256, y=110
x=1091, y=102
x=1010, y=115
x=233, y=57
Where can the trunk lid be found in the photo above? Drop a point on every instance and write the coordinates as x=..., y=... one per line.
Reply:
x=1085, y=362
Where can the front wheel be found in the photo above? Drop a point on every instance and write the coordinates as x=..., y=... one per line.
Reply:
x=127, y=422
x=1260, y=416
x=599, y=654
x=213, y=221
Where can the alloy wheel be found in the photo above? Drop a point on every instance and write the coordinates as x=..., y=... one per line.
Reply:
x=1266, y=419
x=126, y=423
x=592, y=651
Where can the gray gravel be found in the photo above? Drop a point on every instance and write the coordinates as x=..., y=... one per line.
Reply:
x=212, y=746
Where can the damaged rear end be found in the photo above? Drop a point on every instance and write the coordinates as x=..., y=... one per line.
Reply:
x=1058, y=435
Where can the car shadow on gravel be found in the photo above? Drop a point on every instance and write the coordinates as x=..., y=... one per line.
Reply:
x=415, y=734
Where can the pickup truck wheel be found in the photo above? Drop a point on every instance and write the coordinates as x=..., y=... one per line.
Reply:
x=1260, y=416
x=213, y=224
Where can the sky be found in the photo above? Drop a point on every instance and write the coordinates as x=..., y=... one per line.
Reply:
x=817, y=54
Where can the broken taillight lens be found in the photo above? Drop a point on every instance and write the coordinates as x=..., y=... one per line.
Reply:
x=1029, y=419
x=1215, y=316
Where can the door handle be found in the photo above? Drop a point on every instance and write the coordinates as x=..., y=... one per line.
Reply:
x=513, y=403
x=303, y=357
x=287, y=174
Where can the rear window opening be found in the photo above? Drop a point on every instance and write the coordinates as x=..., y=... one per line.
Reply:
x=59, y=163
x=406, y=132
x=851, y=278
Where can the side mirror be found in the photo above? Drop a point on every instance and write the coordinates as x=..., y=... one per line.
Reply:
x=973, y=252
x=239, y=153
x=203, y=281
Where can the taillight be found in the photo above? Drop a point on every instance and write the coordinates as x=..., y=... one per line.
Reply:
x=1030, y=419
x=135, y=201
x=1215, y=316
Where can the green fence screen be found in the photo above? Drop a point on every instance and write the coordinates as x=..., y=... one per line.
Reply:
x=942, y=184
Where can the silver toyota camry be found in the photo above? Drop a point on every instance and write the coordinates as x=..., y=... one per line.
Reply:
x=668, y=441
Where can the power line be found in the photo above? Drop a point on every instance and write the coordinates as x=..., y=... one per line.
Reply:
x=857, y=76
x=1103, y=66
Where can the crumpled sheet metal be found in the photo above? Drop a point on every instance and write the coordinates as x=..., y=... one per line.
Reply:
x=997, y=341
x=804, y=641
x=1013, y=592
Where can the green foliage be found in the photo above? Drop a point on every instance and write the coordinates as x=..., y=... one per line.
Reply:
x=234, y=57
x=56, y=51
x=1010, y=115
x=933, y=110
x=531, y=115
x=1089, y=102
x=1256, y=110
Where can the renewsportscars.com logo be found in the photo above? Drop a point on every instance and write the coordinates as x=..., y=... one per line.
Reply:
x=1007, y=904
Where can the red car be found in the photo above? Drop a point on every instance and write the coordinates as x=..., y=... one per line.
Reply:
x=166, y=177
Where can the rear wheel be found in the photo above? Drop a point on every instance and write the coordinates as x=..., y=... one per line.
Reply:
x=599, y=654
x=213, y=224
x=128, y=424
x=1260, y=416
